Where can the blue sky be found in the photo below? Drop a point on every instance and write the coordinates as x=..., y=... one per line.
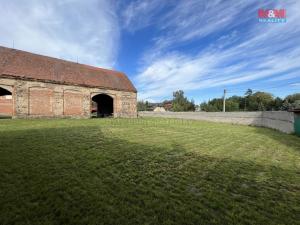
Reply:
x=198, y=46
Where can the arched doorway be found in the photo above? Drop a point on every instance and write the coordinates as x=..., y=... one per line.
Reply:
x=6, y=103
x=102, y=106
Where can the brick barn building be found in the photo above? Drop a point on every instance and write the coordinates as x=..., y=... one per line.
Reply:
x=32, y=85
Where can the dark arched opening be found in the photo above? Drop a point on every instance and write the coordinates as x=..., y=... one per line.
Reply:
x=102, y=106
x=6, y=103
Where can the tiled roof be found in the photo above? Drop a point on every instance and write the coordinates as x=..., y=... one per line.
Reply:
x=25, y=65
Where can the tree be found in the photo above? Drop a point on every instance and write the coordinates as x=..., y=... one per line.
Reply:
x=232, y=106
x=296, y=104
x=260, y=101
x=216, y=105
x=180, y=103
x=237, y=103
x=143, y=106
x=292, y=98
x=286, y=105
x=248, y=93
x=277, y=104
x=207, y=107
x=257, y=101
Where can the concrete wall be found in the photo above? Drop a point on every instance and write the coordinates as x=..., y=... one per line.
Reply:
x=45, y=99
x=282, y=121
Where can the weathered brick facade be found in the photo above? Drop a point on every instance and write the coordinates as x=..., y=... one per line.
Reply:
x=42, y=86
x=6, y=107
x=41, y=99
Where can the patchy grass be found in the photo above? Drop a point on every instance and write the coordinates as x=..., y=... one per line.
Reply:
x=146, y=171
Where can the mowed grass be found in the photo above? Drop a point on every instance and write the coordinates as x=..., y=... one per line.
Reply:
x=146, y=171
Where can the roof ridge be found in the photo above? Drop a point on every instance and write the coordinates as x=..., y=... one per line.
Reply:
x=64, y=60
x=32, y=66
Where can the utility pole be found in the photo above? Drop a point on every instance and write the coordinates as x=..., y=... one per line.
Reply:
x=224, y=97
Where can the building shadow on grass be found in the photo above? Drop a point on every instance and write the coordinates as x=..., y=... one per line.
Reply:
x=83, y=175
x=5, y=117
x=289, y=140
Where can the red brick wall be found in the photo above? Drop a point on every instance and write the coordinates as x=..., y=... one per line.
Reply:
x=37, y=99
x=41, y=101
x=73, y=103
x=6, y=106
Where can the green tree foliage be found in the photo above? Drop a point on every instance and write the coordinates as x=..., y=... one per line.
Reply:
x=252, y=101
x=180, y=103
x=235, y=103
x=292, y=101
x=143, y=106
x=260, y=101
x=248, y=93
x=216, y=105
x=292, y=98
x=232, y=106
x=296, y=104
x=208, y=107
x=277, y=104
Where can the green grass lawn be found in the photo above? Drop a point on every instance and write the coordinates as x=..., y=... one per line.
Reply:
x=146, y=171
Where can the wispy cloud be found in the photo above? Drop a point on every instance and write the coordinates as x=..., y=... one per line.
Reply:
x=140, y=13
x=239, y=49
x=194, y=44
x=69, y=29
x=295, y=84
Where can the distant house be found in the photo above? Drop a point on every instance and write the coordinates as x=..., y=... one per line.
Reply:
x=167, y=105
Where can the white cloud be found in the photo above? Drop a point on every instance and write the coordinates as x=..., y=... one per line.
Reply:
x=141, y=13
x=286, y=76
x=239, y=56
x=193, y=19
x=68, y=29
x=295, y=84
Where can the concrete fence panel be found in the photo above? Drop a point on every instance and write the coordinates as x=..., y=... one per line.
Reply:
x=282, y=121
